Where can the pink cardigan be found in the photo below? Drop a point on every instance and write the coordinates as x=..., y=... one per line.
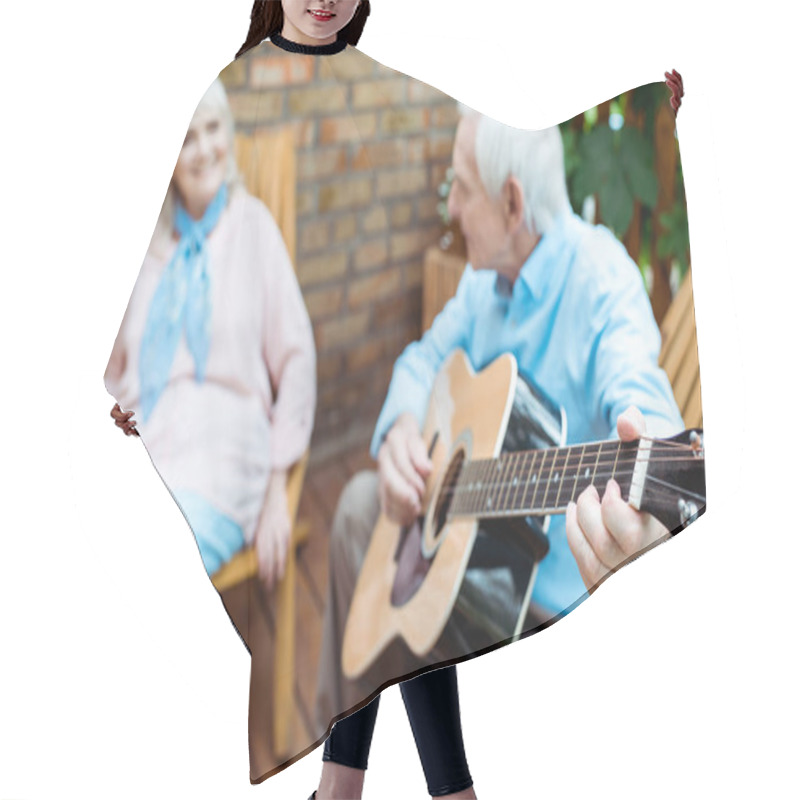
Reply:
x=222, y=438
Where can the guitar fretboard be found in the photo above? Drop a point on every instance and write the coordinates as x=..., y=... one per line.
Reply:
x=539, y=482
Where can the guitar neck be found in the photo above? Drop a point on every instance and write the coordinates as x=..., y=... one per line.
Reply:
x=538, y=482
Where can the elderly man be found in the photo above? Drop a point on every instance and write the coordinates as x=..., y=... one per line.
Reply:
x=566, y=299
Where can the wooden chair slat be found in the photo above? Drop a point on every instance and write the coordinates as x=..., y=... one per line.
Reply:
x=678, y=347
x=693, y=412
x=675, y=318
x=687, y=372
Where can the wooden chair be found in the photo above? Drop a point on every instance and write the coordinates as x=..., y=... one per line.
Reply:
x=267, y=162
x=442, y=271
x=679, y=354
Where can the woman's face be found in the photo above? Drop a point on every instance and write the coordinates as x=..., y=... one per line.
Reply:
x=203, y=161
x=316, y=21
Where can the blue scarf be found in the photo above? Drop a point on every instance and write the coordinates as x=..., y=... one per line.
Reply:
x=182, y=301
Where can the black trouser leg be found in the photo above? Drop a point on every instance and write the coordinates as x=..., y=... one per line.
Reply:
x=351, y=737
x=432, y=706
x=433, y=711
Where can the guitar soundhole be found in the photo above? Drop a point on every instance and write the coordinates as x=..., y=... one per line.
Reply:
x=445, y=499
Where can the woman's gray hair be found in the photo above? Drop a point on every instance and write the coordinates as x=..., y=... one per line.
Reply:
x=215, y=98
x=534, y=158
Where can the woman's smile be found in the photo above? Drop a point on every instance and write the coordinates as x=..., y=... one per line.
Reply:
x=320, y=15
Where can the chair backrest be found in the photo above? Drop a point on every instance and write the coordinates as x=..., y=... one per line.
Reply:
x=679, y=354
x=268, y=164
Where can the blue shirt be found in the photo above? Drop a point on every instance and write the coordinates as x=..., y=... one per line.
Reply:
x=580, y=324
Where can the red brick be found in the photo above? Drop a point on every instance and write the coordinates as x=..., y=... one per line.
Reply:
x=323, y=302
x=445, y=116
x=375, y=219
x=390, y=312
x=314, y=235
x=351, y=128
x=345, y=194
x=321, y=268
x=280, y=71
x=252, y=107
x=379, y=154
x=402, y=182
x=427, y=208
x=306, y=201
x=440, y=146
x=341, y=330
x=379, y=94
x=347, y=66
x=412, y=243
x=401, y=215
x=363, y=355
x=344, y=228
x=329, y=367
x=404, y=120
x=316, y=100
x=416, y=150
x=373, y=287
x=370, y=254
x=321, y=163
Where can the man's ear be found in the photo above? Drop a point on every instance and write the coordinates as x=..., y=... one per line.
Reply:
x=513, y=204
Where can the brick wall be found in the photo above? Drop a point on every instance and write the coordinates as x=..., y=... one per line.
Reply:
x=372, y=148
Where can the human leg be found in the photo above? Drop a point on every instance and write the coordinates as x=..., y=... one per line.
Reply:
x=351, y=737
x=346, y=754
x=432, y=705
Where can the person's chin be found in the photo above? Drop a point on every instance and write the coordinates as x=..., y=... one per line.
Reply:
x=318, y=32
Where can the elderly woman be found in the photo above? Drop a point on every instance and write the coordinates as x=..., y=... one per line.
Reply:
x=215, y=353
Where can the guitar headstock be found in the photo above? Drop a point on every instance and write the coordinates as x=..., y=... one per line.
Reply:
x=675, y=481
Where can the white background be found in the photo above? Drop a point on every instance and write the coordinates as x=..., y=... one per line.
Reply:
x=120, y=674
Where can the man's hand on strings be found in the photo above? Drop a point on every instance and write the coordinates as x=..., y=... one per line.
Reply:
x=604, y=533
x=403, y=466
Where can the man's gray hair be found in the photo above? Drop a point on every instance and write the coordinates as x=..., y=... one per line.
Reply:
x=534, y=158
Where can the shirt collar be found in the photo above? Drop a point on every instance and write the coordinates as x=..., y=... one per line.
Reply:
x=539, y=268
x=308, y=49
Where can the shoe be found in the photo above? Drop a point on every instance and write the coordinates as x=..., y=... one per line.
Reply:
x=313, y=795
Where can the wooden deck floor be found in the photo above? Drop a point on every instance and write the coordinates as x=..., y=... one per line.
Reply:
x=322, y=487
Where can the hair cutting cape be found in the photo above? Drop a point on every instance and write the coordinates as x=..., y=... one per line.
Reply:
x=305, y=286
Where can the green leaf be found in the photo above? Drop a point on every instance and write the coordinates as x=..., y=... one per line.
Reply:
x=637, y=163
x=616, y=203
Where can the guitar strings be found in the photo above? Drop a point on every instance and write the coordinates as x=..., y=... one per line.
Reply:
x=656, y=494
x=471, y=467
x=460, y=490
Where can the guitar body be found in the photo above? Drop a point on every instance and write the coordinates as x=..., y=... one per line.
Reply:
x=452, y=588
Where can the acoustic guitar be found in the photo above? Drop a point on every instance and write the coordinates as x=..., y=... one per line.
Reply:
x=458, y=581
